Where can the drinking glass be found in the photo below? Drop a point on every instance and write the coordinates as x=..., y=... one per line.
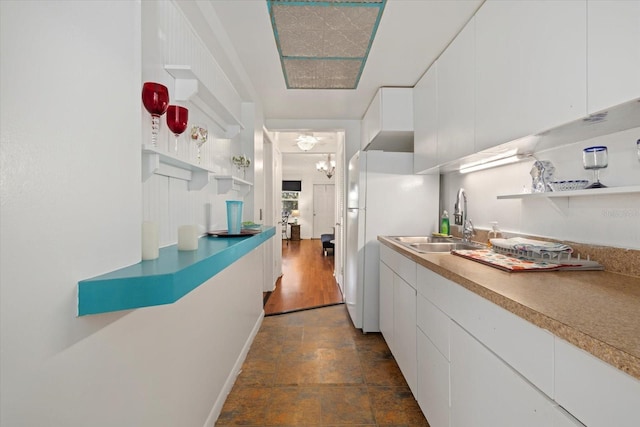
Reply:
x=155, y=98
x=177, y=118
x=199, y=135
x=595, y=158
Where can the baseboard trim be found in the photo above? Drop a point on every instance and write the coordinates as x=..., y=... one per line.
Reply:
x=231, y=379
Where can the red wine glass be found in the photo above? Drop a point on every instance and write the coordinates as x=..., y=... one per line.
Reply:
x=177, y=118
x=155, y=98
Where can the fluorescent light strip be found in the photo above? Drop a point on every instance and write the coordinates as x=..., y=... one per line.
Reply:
x=492, y=164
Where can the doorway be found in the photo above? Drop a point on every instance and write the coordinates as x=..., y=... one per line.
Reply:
x=324, y=208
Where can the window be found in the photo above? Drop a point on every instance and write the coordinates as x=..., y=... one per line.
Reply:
x=289, y=201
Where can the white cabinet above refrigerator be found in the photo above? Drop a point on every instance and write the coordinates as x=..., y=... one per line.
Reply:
x=388, y=123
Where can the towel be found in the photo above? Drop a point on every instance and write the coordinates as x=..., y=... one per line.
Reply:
x=528, y=245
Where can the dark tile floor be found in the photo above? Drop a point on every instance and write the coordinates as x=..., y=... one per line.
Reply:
x=314, y=368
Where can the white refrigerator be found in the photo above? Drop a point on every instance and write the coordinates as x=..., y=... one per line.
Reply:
x=384, y=198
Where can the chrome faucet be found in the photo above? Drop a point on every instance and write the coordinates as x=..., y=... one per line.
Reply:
x=460, y=216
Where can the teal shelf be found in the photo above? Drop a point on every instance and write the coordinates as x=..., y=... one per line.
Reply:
x=166, y=279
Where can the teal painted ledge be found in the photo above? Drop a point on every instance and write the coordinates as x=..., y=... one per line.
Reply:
x=166, y=279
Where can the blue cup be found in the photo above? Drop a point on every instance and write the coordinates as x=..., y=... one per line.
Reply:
x=234, y=216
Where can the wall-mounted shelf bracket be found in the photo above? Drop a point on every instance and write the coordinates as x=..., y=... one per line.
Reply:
x=157, y=162
x=188, y=87
x=227, y=183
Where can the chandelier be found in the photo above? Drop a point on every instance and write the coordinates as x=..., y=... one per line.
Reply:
x=306, y=142
x=328, y=167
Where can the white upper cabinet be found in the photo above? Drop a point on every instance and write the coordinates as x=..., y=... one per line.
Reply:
x=530, y=71
x=456, y=97
x=425, y=121
x=613, y=56
x=388, y=123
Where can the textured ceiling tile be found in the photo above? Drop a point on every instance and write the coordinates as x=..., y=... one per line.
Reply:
x=289, y=17
x=345, y=44
x=350, y=18
x=322, y=74
x=302, y=43
x=324, y=29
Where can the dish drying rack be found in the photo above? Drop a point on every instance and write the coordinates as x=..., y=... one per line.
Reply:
x=563, y=258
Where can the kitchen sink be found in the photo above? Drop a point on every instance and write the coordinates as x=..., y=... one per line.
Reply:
x=442, y=247
x=430, y=244
x=426, y=239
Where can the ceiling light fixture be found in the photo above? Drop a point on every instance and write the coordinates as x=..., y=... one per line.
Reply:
x=324, y=44
x=328, y=167
x=306, y=142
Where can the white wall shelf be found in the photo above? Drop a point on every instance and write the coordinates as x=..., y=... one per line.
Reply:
x=227, y=183
x=575, y=193
x=163, y=163
x=188, y=87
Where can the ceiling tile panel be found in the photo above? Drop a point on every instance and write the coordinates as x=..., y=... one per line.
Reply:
x=320, y=74
x=345, y=44
x=323, y=44
x=309, y=44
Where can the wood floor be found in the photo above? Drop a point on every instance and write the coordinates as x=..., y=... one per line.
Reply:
x=307, y=280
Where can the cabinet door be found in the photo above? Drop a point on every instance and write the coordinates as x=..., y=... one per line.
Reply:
x=456, y=97
x=593, y=391
x=434, y=324
x=404, y=336
x=371, y=123
x=425, y=121
x=613, y=53
x=396, y=111
x=530, y=68
x=386, y=304
x=433, y=382
x=523, y=345
x=485, y=392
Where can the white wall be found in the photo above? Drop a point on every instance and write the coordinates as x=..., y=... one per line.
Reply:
x=168, y=38
x=72, y=203
x=607, y=220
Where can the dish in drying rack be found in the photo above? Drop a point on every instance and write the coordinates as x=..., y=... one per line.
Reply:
x=576, y=184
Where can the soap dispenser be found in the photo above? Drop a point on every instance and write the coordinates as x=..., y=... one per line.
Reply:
x=444, y=223
x=494, y=233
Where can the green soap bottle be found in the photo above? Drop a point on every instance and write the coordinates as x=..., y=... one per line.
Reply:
x=444, y=223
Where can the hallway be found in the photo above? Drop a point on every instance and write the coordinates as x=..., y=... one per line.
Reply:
x=313, y=367
x=307, y=280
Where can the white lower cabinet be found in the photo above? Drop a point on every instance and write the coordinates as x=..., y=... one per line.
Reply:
x=593, y=391
x=486, y=392
x=433, y=363
x=404, y=330
x=471, y=363
x=398, y=311
x=522, y=345
x=386, y=304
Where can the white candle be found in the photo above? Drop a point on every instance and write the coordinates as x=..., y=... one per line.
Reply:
x=187, y=238
x=150, y=240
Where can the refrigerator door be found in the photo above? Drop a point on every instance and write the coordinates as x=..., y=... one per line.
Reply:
x=353, y=288
x=398, y=203
x=357, y=181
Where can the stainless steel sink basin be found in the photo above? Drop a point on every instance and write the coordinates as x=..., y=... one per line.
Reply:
x=441, y=247
x=426, y=239
x=431, y=244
